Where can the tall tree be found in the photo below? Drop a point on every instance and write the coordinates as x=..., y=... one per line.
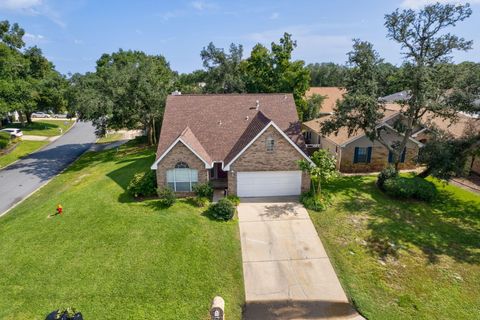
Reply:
x=128, y=90
x=425, y=45
x=274, y=71
x=223, y=69
x=327, y=74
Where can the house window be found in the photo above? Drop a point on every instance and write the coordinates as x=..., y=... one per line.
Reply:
x=402, y=156
x=362, y=155
x=182, y=178
x=270, y=142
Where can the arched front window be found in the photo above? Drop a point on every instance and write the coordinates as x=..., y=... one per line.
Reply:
x=182, y=178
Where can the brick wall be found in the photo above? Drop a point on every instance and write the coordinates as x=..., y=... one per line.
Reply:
x=379, y=159
x=180, y=153
x=256, y=158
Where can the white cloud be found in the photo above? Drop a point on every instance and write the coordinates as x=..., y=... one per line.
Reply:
x=34, y=39
x=201, y=5
x=33, y=7
x=78, y=41
x=20, y=4
x=417, y=4
x=312, y=44
x=274, y=16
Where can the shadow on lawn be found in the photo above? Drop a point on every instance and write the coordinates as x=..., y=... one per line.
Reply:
x=447, y=226
x=34, y=126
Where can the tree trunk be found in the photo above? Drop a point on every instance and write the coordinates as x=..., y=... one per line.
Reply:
x=29, y=117
x=319, y=189
x=21, y=118
x=425, y=173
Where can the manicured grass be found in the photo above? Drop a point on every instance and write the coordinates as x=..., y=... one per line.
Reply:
x=112, y=257
x=48, y=128
x=111, y=137
x=24, y=148
x=404, y=259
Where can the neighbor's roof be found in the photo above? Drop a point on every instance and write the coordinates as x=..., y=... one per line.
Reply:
x=218, y=125
x=342, y=136
x=463, y=125
x=332, y=94
x=397, y=96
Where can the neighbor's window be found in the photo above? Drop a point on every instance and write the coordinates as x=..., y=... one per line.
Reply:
x=362, y=155
x=270, y=144
x=182, y=178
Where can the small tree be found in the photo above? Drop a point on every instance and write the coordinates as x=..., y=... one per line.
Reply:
x=322, y=170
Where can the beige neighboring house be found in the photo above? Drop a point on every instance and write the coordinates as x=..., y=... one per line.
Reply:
x=357, y=153
x=247, y=143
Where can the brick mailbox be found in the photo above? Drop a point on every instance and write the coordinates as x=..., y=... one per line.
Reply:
x=217, y=311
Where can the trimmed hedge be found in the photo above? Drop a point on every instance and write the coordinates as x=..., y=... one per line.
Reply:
x=313, y=202
x=223, y=210
x=385, y=174
x=414, y=188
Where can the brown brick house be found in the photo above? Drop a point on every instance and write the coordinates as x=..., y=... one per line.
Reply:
x=248, y=143
x=357, y=153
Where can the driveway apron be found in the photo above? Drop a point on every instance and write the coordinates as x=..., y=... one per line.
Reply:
x=287, y=272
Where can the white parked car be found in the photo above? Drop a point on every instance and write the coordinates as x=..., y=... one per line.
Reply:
x=40, y=115
x=13, y=132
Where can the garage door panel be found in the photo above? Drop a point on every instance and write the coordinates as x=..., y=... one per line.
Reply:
x=268, y=183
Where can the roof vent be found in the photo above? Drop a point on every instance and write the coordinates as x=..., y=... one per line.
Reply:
x=285, y=97
x=176, y=93
x=246, y=118
x=219, y=122
x=257, y=105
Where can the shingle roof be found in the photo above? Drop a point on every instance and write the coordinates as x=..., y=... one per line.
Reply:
x=189, y=138
x=462, y=126
x=397, y=96
x=221, y=122
x=342, y=135
x=332, y=94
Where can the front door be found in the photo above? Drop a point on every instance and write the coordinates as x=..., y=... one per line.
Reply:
x=216, y=172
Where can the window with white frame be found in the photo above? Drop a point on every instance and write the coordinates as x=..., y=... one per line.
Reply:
x=182, y=178
x=270, y=144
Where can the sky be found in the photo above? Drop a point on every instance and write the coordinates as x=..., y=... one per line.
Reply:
x=73, y=34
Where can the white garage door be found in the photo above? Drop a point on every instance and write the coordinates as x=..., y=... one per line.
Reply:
x=268, y=183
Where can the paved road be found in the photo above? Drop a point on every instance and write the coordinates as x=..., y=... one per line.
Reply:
x=20, y=179
x=287, y=272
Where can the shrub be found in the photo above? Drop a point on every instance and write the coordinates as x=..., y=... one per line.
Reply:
x=312, y=202
x=143, y=184
x=223, y=210
x=415, y=188
x=4, y=139
x=203, y=190
x=167, y=197
x=387, y=173
x=234, y=199
x=200, y=202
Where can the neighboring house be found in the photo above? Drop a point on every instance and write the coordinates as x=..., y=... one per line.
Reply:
x=356, y=152
x=247, y=143
x=331, y=94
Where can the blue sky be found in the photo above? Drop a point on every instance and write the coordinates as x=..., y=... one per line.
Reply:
x=74, y=33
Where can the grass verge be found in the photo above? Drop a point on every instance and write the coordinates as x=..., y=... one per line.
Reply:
x=47, y=128
x=23, y=149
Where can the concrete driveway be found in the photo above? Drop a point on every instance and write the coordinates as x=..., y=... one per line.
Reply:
x=287, y=273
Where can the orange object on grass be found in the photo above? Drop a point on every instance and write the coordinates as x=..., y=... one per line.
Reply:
x=59, y=209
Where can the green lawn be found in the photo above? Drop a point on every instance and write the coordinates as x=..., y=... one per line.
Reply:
x=24, y=148
x=434, y=273
x=111, y=137
x=48, y=128
x=107, y=253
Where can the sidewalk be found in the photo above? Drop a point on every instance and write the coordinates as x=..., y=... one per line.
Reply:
x=39, y=138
